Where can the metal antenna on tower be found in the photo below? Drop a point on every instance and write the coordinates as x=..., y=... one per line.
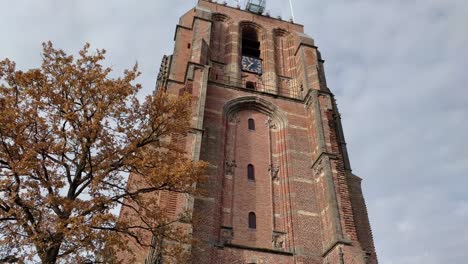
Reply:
x=292, y=10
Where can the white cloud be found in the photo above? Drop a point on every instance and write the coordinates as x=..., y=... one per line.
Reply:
x=398, y=69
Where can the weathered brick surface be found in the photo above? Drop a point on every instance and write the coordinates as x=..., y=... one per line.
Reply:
x=309, y=206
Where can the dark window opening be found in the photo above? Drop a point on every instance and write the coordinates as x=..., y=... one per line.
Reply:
x=250, y=85
x=250, y=43
x=250, y=172
x=189, y=45
x=251, y=124
x=252, y=221
x=216, y=76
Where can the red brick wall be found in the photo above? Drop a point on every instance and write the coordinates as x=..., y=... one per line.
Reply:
x=314, y=206
x=252, y=147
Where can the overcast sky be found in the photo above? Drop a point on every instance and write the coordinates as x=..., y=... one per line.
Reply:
x=399, y=69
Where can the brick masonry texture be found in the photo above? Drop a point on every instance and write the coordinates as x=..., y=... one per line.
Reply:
x=308, y=204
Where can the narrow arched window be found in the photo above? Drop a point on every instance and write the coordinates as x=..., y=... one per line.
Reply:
x=250, y=172
x=252, y=220
x=251, y=124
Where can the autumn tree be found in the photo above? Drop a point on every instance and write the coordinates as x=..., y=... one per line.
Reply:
x=70, y=134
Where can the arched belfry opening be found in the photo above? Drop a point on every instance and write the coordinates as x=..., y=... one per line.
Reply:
x=250, y=42
x=252, y=48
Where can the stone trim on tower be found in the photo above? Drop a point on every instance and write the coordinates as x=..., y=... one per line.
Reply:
x=309, y=207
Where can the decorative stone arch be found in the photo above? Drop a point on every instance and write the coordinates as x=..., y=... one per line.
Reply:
x=277, y=116
x=277, y=123
x=281, y=32
x=251, y=24
x=220, y=17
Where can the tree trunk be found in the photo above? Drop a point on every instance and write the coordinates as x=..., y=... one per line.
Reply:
x=49, y=256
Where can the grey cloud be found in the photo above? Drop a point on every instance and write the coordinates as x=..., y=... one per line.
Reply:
x=398, y=69
x=399, y=73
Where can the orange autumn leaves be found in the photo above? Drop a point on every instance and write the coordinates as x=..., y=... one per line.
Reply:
x=70, y=134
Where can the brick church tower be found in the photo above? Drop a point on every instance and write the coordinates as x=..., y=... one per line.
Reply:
x=280, y=187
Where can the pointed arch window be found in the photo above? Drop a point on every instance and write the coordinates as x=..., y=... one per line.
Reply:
x=251, y=124
x=252, y=220
x=251, y=172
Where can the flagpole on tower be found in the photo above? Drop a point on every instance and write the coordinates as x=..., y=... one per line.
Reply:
x=292, y=11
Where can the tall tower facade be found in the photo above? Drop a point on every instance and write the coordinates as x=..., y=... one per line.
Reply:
x=279, y=186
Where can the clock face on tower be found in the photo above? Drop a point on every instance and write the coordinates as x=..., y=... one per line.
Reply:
x=252, y=64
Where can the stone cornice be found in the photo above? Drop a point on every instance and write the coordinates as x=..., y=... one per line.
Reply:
x=267, y=250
